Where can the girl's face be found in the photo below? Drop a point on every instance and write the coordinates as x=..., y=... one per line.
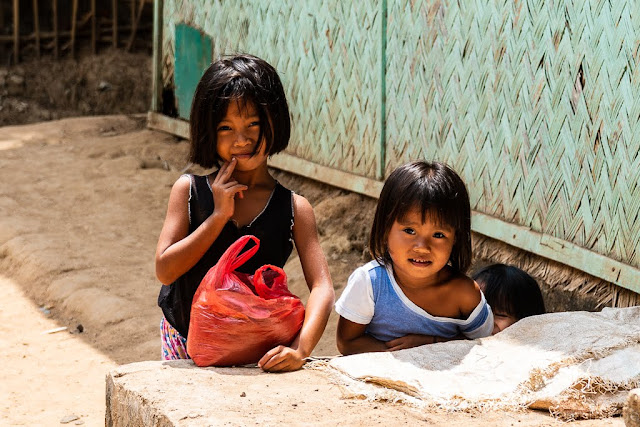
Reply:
x=501, y=321
x=237, y=136
x=419, y=250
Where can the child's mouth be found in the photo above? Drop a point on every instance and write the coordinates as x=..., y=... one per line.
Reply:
x=419, y=262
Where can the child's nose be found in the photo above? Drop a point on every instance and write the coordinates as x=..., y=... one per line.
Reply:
x=242, y=139
x=423, y=245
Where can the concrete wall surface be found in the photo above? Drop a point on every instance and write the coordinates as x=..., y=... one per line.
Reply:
x=631, y=412
x=178, y=393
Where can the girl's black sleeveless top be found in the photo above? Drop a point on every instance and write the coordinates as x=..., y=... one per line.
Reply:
x=273, y=227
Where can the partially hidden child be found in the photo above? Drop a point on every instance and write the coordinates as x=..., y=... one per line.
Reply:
x=511, y=292
x=239, y=117
x=415, y=291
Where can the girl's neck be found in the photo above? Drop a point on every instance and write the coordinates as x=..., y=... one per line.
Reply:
x=409, y=283
x=254, y=178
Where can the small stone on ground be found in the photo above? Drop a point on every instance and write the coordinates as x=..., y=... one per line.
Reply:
x=68, y=418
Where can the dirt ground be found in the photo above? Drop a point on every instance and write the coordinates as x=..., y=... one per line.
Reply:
x=38, y=90
x=82, y=202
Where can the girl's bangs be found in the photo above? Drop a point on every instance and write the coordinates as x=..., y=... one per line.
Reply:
x=438, y=210
x=502, y=304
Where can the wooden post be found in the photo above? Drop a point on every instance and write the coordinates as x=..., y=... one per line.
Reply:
x=135, y=23
x=156, y=76
x=93, y=26
x=114, y=23
x=55, y=28
x=74, y=24
x=133, y=12
x=16, y=31
x=36, y=25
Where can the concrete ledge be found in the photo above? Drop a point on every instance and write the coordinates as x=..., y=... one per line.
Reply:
x=177, y=393
x=631, y=411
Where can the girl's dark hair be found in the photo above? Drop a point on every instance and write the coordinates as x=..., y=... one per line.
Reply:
x=438, y=192
x=248, y=80
x=510, y=290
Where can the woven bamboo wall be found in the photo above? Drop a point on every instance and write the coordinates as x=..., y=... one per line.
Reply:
x=535, y=103
x=324, y=52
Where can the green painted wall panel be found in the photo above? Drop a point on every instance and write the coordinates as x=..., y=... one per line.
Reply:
x=192, y=57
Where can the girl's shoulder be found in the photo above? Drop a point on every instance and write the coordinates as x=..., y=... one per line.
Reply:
x=190, y=183
x=188, y=179
x=301, y=207
x=371, y=275
x=463, y=284
x=372, y=265
x=182, y=185
x=461, y=280
x=466, y=290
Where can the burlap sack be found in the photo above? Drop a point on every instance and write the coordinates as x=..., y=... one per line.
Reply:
x=575, y=364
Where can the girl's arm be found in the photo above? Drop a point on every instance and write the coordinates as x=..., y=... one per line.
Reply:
x=351, y=339
x=415, y=340
x=321, y=298
x=178, y=251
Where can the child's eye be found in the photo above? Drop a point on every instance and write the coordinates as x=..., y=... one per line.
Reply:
x=439, y=235
x=254, y=124
x=223, y=128
x=409, y=230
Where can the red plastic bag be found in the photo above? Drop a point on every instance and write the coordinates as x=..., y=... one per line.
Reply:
x=233, y=325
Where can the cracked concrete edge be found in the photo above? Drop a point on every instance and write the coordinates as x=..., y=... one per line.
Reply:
x=128, y=408
x=631, y=411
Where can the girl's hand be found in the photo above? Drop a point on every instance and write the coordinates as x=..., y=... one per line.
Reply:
x=410, y=341
x=224, y=190
x=281, y=359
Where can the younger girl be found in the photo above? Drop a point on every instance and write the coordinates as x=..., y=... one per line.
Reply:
x=239, y=117
x=511, y=293
x=415, y=292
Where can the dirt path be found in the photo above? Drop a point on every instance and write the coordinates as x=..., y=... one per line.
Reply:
x=46, y=377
